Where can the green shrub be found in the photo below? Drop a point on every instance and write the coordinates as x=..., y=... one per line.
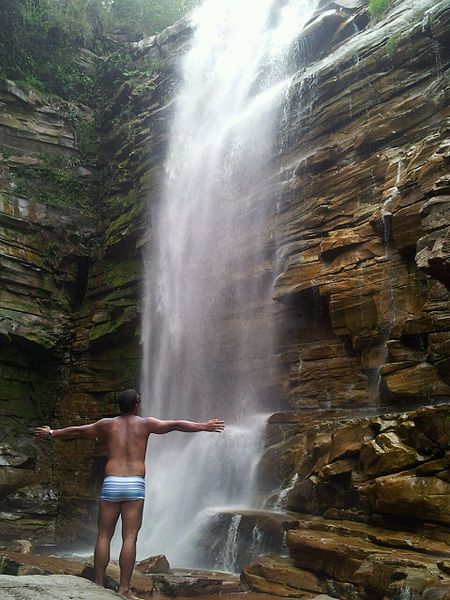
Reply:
x=146, y=17
x=392, y=44
x=40, y=39
x=377, y=8
x=54, y=181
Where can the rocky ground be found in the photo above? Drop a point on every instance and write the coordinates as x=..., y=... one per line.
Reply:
x=28, y=576
x=67, y=587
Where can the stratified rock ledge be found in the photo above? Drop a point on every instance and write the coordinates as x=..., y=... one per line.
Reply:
x=60, y=587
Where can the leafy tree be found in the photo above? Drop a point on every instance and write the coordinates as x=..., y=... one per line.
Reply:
x=40, y=39
x=146, y=17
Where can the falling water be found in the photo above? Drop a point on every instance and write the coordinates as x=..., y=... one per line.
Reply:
x=207, y=326
x=228, y=556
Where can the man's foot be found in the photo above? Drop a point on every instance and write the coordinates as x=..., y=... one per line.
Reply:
x=128, y=594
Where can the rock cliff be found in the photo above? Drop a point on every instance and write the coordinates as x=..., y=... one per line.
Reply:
x=362, y=216
x=361, y=221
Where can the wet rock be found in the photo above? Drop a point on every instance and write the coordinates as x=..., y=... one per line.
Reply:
x=418, y=497
x=358, y=466
x=35, y=499
x=18, y=563
x=317, y=35
x=435, y=424
x=254, y=532
x=433, y=249
x=438, y=591
x=21, y=546
x=154, y=564
x=337, y=557
x=349, y=438
x=352, y=560
x=421, y=380
x=280, y=576
x=375, y=561
x=196, y=583
x=143, y=585
x=387, y=453
x=9, y=457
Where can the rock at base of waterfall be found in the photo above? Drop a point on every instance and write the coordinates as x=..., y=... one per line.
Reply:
x=141, y=584
x=63, y=587
x=439, y=591
x=354, y=560
x=280, y=576
x=181, y=582
x=20, y=564
x=154, y=564
x=20, y=546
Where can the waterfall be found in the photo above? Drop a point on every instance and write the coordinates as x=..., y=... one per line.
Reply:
x=207, y=323
x=228, y=556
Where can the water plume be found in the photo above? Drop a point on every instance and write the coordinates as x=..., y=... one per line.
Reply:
x=207, y=324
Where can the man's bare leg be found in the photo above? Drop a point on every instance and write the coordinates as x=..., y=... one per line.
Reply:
x=107, y=519
x=131, y=512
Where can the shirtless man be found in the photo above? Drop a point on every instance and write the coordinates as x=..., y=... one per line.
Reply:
x=123, y=488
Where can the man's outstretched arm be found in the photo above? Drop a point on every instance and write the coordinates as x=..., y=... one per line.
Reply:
x=158, y=426
x=88, y=432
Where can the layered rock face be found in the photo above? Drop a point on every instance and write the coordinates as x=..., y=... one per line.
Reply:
x=71, y=278
x=43, y=254
x=68, y=310
x=362, y=225
x=363, y=216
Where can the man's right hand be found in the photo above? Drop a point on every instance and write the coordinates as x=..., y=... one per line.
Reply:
x=43, y=432
x=214, y=425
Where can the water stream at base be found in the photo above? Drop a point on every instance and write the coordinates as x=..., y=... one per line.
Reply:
x=207, y=323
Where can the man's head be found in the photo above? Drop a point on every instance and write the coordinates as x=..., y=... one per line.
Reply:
x=128, y=401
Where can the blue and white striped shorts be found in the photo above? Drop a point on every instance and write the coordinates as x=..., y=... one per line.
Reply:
x=122, y=489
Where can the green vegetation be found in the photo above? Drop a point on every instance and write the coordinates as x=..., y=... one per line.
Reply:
x=55, y=181
x=40, y=40
x=41, y=44
x=377, y=8
x=86, y=136
x=392, y=44
x=146, y=17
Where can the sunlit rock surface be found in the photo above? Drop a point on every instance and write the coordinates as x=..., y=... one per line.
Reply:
x=19, y=564
x=63, y=587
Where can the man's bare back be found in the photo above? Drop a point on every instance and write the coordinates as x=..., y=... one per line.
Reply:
x=123, y=491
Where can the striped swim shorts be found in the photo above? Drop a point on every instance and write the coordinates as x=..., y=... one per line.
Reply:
x=122, y=489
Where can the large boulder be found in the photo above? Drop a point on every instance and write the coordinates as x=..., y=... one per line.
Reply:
x=63, y=587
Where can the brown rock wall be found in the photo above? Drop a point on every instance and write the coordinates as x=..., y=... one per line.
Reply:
x=41, y=250
x=363, y=218
x=391, y=469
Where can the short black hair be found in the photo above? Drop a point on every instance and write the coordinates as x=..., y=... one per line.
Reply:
x=128, y=400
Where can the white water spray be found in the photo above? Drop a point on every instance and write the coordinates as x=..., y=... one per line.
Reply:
x=207, y=326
